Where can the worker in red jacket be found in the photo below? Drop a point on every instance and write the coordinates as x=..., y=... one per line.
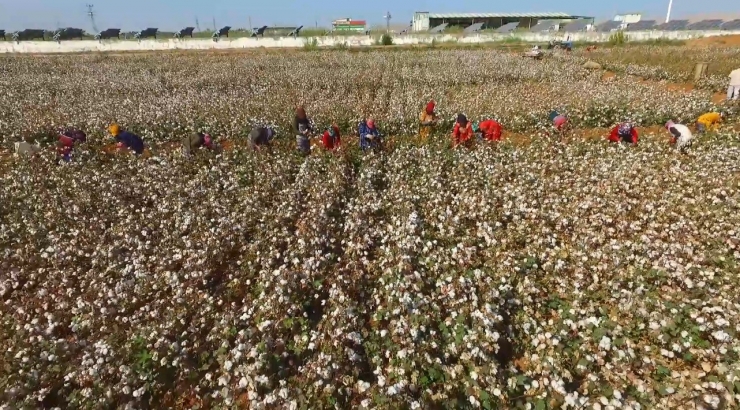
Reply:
x=624, y=132
x=489, y=130
x=462, y=134
x=331, y=138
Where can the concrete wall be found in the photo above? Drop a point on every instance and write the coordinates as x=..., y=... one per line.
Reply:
x=348, y=41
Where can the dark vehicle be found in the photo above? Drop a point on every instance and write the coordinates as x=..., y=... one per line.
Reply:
x=2, y=34
x=148, y=33
x=68, y=33
x=28, y=34
x=560, y=45
x=224, y=32
x=259, y=31
x=108, y=34
x=296, y=32
x=186, y=32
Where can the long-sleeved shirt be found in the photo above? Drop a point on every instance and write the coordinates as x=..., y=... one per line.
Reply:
x=365, y=132
x=491, y=130
x=259, y=136
x=615, y=136
x=462, y=135
x=131, y=141
x=426, y=118
x=330, y=142
x=710, y=120
x=682, y=136
x=735, y=77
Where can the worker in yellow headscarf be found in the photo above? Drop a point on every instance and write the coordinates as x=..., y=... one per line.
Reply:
x=126, y=139
x=709, y=122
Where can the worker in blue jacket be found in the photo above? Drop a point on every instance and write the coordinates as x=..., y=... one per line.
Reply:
x=369, y=135
x=127, y=139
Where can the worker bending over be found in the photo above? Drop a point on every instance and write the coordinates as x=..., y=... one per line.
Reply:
x=558, y=120
x=196, y=141
x=68, y=138
x=709, y=122
x=624, y=132
x=489, y=130
x=127, y=139
x=680, y=135
x=260, y=137
x=462, y=134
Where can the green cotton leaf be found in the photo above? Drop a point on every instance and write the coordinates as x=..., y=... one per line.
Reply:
x=737, y=387
x=483, y=396
x=540, y=405
x=486, y=404
x=663, y=391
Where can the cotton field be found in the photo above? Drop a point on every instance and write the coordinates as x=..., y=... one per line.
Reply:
x=539, y=272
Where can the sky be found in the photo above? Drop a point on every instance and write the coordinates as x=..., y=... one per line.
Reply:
x=171, y=15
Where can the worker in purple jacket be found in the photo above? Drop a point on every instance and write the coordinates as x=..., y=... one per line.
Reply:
x=127, y=139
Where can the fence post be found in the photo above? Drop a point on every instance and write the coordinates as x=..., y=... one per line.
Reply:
x=700, y=70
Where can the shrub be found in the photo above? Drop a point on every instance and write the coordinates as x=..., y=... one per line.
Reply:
x=386, y=40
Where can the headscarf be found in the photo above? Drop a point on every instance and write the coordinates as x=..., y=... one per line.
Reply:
x=476, y=127
x=430, y=107
x=270, y=133
x=669, y=124
x=114, y=129
x=300, y=112
x=625, y=128
x=332, y=132
x=462, y=119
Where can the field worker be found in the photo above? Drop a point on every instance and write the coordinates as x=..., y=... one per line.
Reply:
x=624, y=132
x=68, y=138
x=427, y=120
x=260, y=137
x=489, y=130
x=680, y=135
x=733, y=90
x=302, y=129
x=195, y=141
x=127, y=139
x=369, y=135
x=462, y=134
x=559, y=121
x=331, y=138
x=708, y=122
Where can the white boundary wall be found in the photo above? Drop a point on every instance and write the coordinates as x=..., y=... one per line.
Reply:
x=42, y=47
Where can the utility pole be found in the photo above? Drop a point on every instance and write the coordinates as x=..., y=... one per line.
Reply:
x=387, y=18
x=197, y=23
x=250, y=22
x=91, y=14
x=214, y=24
x=668, y=15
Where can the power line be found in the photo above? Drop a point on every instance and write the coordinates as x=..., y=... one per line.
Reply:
x=91, y=14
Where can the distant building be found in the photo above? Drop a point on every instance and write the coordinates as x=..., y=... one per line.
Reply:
x=348, y=24
x=628, y=18
x=424, y=20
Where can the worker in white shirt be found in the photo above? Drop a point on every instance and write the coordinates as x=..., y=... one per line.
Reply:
x=680, y=135
x=733, y=90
